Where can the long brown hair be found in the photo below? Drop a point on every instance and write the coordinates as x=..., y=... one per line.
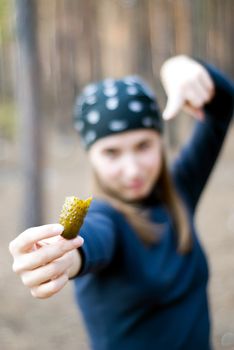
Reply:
x=148, y=231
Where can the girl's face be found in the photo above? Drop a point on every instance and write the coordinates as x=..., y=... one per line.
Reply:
x=128, y=164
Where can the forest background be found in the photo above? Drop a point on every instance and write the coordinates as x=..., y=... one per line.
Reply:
x=75, y=42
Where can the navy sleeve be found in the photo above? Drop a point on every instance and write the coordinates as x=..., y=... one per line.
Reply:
x=99, y=245
x=195, y=162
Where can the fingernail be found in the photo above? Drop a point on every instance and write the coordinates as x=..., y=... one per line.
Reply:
x=58, y=228
x=78, y=240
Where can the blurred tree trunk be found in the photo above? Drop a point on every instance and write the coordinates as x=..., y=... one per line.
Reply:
x=28, y=92
x=85, y=40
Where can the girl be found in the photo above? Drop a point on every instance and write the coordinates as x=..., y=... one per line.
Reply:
x=139, y=271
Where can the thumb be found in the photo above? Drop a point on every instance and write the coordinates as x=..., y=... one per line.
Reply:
x=174, y=104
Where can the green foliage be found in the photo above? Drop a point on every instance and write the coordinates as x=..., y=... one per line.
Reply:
x=7, y=120
x=6, y=9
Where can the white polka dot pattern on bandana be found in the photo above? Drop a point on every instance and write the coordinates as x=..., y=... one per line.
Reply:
x=147, y=90
x=90, y=136
x=93, y=117
x=113, y=106
x=112, y=103
x=131, y=90
x=130, y=80
x=108, y=82
x=118, y=125
x=147, y=121
x=110, y=91
x=91, y=100
x=79, y=104
x=79, y=125
x=90, y=89
x=135, y=106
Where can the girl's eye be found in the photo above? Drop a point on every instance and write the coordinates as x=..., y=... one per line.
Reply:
x=111, y=152
x=143, y=145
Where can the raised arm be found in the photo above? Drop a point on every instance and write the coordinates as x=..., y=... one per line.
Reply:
x=208, y=95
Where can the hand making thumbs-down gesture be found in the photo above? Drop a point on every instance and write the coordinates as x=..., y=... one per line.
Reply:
x=188, y=86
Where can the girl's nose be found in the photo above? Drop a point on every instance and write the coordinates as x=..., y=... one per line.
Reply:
x=131, y=167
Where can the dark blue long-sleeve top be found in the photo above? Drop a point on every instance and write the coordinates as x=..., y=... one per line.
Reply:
x=137, y=297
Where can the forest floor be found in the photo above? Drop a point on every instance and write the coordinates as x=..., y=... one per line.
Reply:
x=55, y=323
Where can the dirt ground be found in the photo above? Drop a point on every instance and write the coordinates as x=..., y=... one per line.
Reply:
x=28, y=324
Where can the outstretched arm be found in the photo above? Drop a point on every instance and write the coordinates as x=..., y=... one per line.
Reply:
x=203, y=91
x=45, y=261
x=100, y=239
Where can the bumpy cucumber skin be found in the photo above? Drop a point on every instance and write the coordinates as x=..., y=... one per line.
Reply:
x=72, y=215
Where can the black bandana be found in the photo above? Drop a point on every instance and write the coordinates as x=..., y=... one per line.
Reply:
x=112, y=106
